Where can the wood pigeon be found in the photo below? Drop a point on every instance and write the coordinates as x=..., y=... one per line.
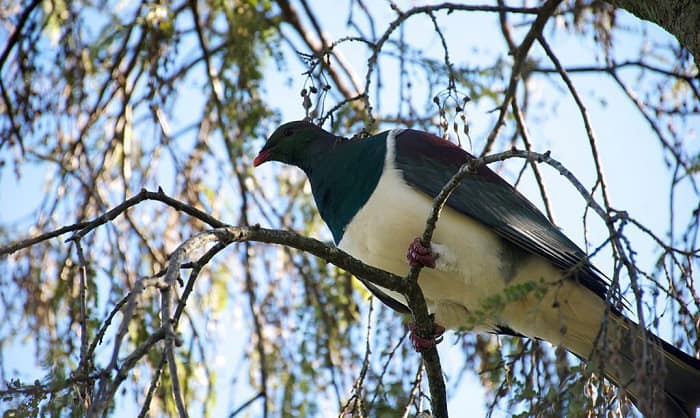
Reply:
x=496, y=263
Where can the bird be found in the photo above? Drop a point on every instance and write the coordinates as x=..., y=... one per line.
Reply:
x=496, y=263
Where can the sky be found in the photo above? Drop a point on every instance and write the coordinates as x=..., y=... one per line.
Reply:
x=629, y=152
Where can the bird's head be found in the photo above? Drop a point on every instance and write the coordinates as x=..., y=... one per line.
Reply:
x=293, y=143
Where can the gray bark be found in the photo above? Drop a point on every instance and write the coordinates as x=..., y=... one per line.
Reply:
x=681, y=18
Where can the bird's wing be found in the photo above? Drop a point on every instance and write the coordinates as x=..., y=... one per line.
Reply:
x=389, y=301
x=427, y=163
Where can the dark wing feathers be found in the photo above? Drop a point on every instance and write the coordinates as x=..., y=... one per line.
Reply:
x=386, y=299
x=427, y=162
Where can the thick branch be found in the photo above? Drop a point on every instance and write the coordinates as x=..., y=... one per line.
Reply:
x=320, y=249
x=681, y=18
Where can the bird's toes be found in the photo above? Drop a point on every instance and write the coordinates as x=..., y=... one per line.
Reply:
x=421, y=344
x=420, y=255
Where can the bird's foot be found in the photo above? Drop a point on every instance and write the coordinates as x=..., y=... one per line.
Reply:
x=421, y=344
x=420, y=255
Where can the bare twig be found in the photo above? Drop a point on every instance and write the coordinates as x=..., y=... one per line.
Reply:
x=246, y=404
x=403, y=16
x=354, y=404
x=11, y=41
x=155, y=380
x=167, y=297
x=415, y=390
x=520, y=118
x=520, y=54
x=83, y=228
x=17, y=33
x=584, y=115
x=522, y=128
x=85, y=361
x=11, y=116
x=292, y=17
x=613, y=66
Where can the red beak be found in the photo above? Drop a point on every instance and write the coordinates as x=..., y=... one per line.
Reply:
x=262, y=157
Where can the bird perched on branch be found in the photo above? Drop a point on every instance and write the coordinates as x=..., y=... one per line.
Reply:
x=496, y=263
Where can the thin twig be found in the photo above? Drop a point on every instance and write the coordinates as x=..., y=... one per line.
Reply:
x=402, y=16
x=520, y=54
x=155, y=381
x=11, y=41
x=85, y=363
x=246, y=404
x=354, y=404
x=520, y=118
x=522, y=128
x=592, y=140
x=84, y=228
x=689, y=79
x=17, y=33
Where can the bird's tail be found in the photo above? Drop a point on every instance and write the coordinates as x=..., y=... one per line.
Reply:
x=629, y=356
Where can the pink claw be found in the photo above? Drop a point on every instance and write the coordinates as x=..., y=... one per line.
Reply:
x=419, y=255
x=421, y=344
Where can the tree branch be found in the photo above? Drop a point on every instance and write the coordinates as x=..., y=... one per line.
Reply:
x=83, y=228
x=543, y=15
x=679, y=17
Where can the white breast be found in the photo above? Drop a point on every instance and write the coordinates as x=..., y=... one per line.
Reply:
x=395, y=214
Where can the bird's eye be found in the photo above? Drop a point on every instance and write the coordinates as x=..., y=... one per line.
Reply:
x=288, y=132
